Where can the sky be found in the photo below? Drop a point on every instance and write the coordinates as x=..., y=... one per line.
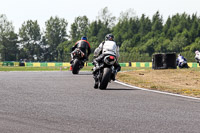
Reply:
x=19, y=11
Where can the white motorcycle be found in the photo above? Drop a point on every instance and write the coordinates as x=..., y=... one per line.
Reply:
x=105, y=73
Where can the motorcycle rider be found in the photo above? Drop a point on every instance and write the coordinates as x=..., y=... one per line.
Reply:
x=197, y=56
x=106, y=48
x=181, y=61
x=82, y=45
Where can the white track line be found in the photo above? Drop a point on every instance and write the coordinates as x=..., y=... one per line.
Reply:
x=167, y=93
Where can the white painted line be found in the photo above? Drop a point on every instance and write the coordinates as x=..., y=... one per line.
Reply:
x=167, y=93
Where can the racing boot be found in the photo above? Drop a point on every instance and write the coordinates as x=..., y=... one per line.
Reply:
x=95, y=69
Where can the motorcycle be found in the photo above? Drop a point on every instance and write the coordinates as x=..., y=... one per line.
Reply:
x=105, y=73
x=183, y=64
x=198, y=61
x=77, y=62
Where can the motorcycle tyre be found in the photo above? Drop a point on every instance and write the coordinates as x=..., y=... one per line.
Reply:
x=76, y=68
x=105, y=78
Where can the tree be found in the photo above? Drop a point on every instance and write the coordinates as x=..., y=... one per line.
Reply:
x=194, y=46
x=178, y=43
x=8, y=40
x=167, y=26
x=30, y=40
x=127, y=15
x=157, y=23
x=55, y=34
x=194, y=30
x=79, y=28
x=127, y=27
x=64, y=51
x=145, y=25
x=162, y=46
x=148, y=47
x=106, y=17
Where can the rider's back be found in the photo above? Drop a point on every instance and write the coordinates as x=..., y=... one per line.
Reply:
x=110, y=47
x=82, y=45
x=181, y=59
x=197, y=56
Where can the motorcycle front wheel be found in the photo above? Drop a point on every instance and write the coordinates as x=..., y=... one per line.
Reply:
x=105, y=78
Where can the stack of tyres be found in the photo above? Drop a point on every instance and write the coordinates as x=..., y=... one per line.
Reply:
x=164, y=61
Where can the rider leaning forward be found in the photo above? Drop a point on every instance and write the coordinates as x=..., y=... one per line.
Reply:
x=84, y=46
x=108, y=46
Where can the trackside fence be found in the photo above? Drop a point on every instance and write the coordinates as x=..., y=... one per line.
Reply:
x=67, y=64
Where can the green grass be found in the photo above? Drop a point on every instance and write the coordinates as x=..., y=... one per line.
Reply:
x=165, y=80
x=3, y=68
x=88, y=68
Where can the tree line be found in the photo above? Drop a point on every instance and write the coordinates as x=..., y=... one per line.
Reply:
x=138, y=37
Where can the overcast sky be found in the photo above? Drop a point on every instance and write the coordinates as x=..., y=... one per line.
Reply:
x=19, y=11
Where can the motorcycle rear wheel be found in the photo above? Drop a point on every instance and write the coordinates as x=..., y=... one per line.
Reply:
x=105, y=78
x=75, y=66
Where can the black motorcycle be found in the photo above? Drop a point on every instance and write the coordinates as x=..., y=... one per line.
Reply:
x=105, y=73
x=78, y=61
x=198, y=61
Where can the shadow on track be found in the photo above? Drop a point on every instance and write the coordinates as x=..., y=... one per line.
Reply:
x=83, y=73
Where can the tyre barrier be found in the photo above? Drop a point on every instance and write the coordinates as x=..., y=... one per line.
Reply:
x=67, y=64
x=164, y=61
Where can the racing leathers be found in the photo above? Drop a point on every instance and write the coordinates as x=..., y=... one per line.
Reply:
x=181, y=61
x=197, y=57
x=84, y=46
x=106, y=48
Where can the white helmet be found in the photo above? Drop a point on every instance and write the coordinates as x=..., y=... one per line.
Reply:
x=197, y=52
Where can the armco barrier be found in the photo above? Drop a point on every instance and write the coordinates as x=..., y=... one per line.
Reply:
x=29, y=64
x=59, y=64
x=16, y=63
x=43, y=64
x=9, y=63
x=90, y=64
x=47, y=64
x=141, y=64
x=36, y=64
x=191, y=64
x=67, y=64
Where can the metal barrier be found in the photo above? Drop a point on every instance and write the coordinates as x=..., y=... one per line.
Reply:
x=67, y=64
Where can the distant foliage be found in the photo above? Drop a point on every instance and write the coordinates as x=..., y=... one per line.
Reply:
x=138, y=37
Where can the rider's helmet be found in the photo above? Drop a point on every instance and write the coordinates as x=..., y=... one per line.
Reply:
x=197, y=52
x=84, y=38
x=109, y=37
x=179, y=54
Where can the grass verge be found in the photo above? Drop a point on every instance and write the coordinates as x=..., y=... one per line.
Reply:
x=178, y=81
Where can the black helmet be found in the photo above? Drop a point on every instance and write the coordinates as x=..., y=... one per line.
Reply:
x=109, y=37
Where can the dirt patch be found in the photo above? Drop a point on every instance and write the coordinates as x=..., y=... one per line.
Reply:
x=179, y=81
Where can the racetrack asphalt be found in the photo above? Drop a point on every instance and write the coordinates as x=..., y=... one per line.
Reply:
x=60, y=102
